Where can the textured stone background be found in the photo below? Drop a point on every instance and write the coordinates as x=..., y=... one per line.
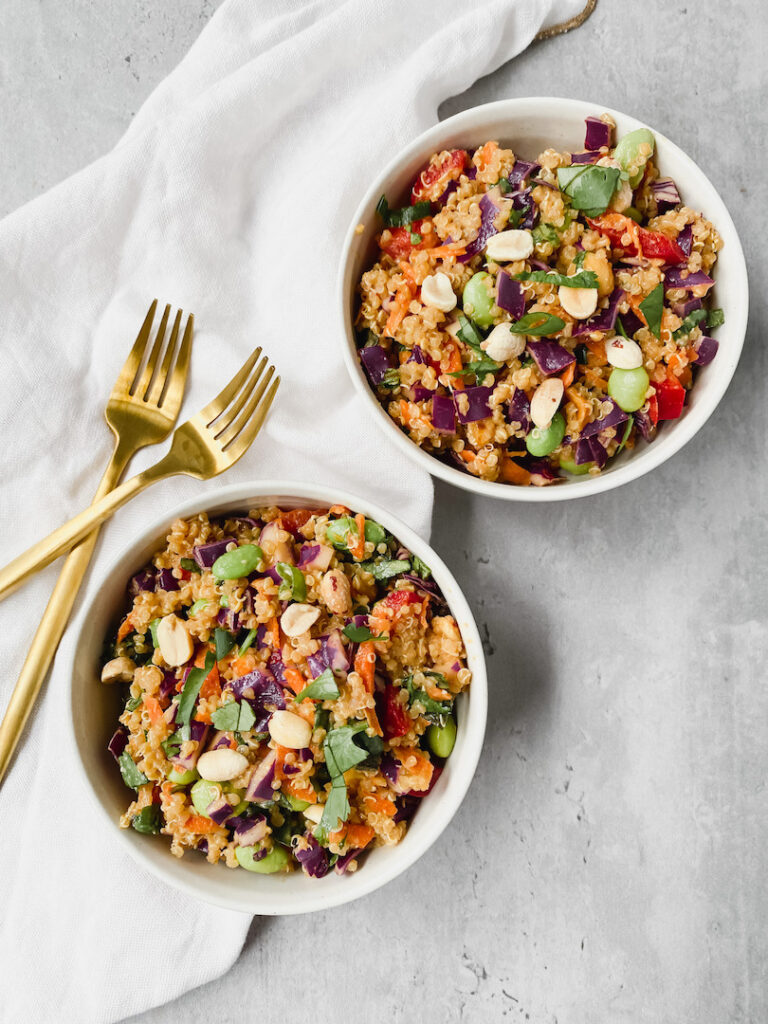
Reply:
x=608, y=864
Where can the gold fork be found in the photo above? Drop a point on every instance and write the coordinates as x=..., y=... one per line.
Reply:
x=141, y=410
x=203, y=447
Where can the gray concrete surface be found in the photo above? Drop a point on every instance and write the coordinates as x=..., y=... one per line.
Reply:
x=608, y=864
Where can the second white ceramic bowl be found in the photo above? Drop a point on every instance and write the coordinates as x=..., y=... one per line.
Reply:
x=529, y=126
x=95, y=709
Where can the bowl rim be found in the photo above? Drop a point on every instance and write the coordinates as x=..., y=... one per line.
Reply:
x=652, y=456
x=471, y=724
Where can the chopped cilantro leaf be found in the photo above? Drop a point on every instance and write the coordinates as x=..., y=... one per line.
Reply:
x=652, y=308
x=191, y=689
x=132, y=776
x=147, y=820
x=324, y=687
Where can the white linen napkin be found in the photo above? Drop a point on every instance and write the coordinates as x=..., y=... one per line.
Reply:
x=229, y=196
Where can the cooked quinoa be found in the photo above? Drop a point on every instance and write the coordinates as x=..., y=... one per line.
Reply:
x=528, y=319
x=290, y=683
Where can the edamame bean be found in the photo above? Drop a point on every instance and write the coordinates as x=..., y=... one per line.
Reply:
x=374, y=533
x=477, y=299
x=198, y=607
x=183, y=778
x=203, y=794
x=633, y=152
x=543, y=440
x=441, y=738
x=628, y=387
x=570, y=467
x=242, y=561
x=275, y=860
x=337, y=530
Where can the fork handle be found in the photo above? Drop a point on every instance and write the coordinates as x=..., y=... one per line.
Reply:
x=53, y=623
x=71, y=533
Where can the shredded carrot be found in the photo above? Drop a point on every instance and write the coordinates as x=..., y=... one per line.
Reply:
x=597, y=348
x=582, y=407
x=365, y=664
x=203, y=716
x=380, y=805
x=483, y=156
x=595, y=379
x=436, y=692
x=567, y=375
x=467, y=455
x=634, y=301
x=125, y=628
x=512, y=473
x=373, y=721
x=442, y=252
x=356, y=836
x=405, y=411
x=155, y=712
x=402, y=300
x=273, y=628
x=305, y=792
x=294, y=679
x=242, y=666
x=200, y=824
x=339, y=510
x=211, y=684
x=356, y=539
x=424, y=610
x=422, y=769
x=200, y=654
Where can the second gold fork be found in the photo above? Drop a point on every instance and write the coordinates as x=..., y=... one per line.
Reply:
x=203, y=447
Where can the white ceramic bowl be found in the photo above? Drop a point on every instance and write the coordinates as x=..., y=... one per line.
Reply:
x=528, y=126
x=96, y=707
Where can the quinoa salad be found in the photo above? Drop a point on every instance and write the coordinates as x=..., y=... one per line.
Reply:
x=290, y=681
x=525, y=321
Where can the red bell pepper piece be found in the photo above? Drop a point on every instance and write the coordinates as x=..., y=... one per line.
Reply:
x=670, y=395
x=393, y=717
x=653, y=409
x=436, y=176
x=654, y=244
x=399, y=598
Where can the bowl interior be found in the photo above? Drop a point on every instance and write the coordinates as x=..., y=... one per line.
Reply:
x=96, y=707
x=529, y=126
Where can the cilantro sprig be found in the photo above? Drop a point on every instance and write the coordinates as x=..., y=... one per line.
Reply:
x=403, y=217
x=588, y=186
x=235, y=716
x=586, y=279
x=652, y=308
x=324, y=687
x=132, y=775
x=191, y=690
